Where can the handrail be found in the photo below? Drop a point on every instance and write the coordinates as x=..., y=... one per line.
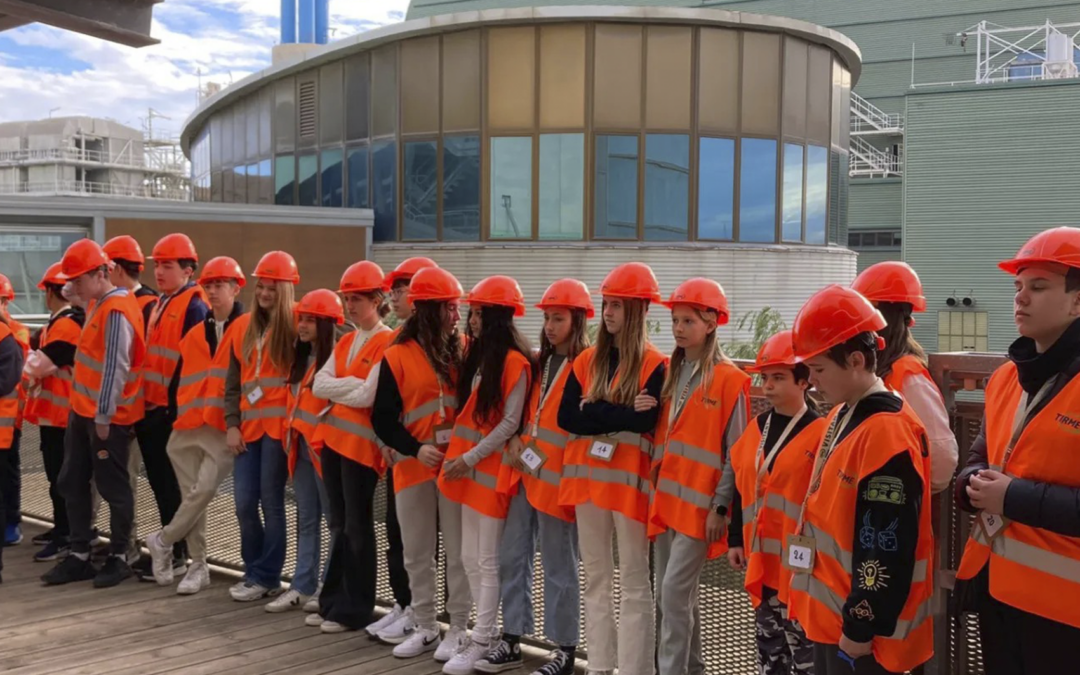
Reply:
x=81, y=188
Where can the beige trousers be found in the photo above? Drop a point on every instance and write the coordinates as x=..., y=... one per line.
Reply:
x=202, y=462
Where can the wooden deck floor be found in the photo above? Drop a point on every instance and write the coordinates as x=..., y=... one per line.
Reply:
x=140, y=628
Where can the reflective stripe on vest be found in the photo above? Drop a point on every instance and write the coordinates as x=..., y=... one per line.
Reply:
x=91, y=353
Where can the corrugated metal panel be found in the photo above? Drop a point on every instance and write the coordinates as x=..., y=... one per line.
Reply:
x=868, y=258
x=779, y=277
x=876, y=204
x=985, y=169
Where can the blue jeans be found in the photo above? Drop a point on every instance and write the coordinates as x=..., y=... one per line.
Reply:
x=559, y=553
x=259, y=476
x=312, y=505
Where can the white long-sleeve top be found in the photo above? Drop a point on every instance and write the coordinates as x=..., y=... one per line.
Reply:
x=924, y=398
x=348, y=390
x=513, y=407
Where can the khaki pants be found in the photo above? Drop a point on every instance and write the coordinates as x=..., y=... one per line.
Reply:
x=201, y=461
x=679, y=561
x=420, y=537
x=632, y=648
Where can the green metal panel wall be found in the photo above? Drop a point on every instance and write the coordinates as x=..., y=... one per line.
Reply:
x=986, y=168
x=868, y=258
x=876, y=204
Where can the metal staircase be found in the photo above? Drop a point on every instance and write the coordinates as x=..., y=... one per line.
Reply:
x=868, y=121
x=868, y=161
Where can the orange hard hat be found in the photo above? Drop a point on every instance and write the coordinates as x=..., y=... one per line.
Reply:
x=434, y=284
x=175, y=246
x=891, y=281
x=498, y=291
x=83, y=256
x=362, y=277
x=52, y=276
x=7, y=291
x=126, y=248
x=1060, y=245
x=322, y=302
x=832, y=316
x=568, y=293
x=776, y=351
x=631, y=280
x=277, y=266
x=408, y=269
x=702, y=293
x=222, y=267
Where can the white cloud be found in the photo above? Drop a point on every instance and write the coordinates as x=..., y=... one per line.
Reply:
x=224, y=39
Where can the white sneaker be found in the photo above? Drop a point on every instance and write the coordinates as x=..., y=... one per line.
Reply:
x=249, y=591
x=334, y=627
x=422, y=640
x=161, y=559
x=312, y=604
x=235, y=588
x=314, y=620
x=196, y=579
x=455, y=639
x=464, y=662
x=384, y=623
x=399, y=630
x=290, y=599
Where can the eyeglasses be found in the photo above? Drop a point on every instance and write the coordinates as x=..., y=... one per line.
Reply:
x=399, y=292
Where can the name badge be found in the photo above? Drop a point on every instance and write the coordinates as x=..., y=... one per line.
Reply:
x=533, y=458
x=602, y=451
x=800, y=554
x=992, y=524
x=443, y=433
x=255, y=395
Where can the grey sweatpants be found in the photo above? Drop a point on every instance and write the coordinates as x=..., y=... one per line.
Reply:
x=679, y=560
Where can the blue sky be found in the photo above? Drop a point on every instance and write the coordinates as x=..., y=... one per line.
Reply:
x=42, y=68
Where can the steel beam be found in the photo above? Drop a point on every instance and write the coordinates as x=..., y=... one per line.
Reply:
x=126, y=22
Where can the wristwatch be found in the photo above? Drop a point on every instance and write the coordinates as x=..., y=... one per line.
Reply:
x=719, y=510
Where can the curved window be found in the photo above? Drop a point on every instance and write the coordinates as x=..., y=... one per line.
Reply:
x=461, y=188
x=511, y=188
x=285, y=180
x=817, y=193
x=757, y=190
x=420, y=209
x=793, y=192
x=562, y=186
x=308, y=180
x=331, y=184
x=667, y=187
x=384, y=190
x=616, y=185
x=716, y=188
x=358, y=178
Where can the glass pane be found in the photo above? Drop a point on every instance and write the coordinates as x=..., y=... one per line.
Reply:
x=511, y=77
x=562, y=77
x=461, y=81
x=757, y=190
x=817, y=193
x=384, y=190
x=617, y=76
x=562, y=186
x=461, y=188
x=420, y=86
x=718, y=80
x=252, y=127
x=793, y=192
x=216, y=143
x=669, y=52
x=854, y=240
x=760, y=83
x=357, y=84
x=239, y=133
x=216, y=186
x=284, y=180
x=420, y=210
x=384, y=93
x=331, y=188
x=667, y=187
x=616, y=187
x=511, y=188
x=331, y=104
x=252, y=183
x=308, y=179
x=266, y=182
x=285, y=114
x=716, y=188
x=227, y=179
x=25, y=255
x=358, y=178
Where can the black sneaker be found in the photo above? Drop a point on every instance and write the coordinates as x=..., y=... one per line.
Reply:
x=503, y=656
x=179, y=568
x=112, y=572
x=560, y=663
x=140, y=565
x=70, y=569
x=44, y=538
x=54, y=550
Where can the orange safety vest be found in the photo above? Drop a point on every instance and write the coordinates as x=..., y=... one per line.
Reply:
x=22, y=336
x=9, y=404
x=1032, y=569
x=622, y=484
x=817, y=599
x=426, y=403
x=348, y=431
x=904, y=367
x=693, y=456
x=479, y=489
x=770, y=510
x=305, y=412
x=542, y=430
x=163, y=344
x=213, y=396
x=199, y=369
x=266, y=416
x=50, y=404
x=90, y=362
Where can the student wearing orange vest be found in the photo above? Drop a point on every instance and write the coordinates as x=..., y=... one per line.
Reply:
x=611, y=402
x=128, y=262
x=1022, y=478
x=414, y=412
x=256, y=396
x=862, y=550
x=894, y=288
x=353, y=460
x=197, y=447
x=11, y=364
x=772, y=462
x=181, y=307
x=7, y=296
x=105, y=406
x=10, y=471
x=531, y=472
x=49, y=371
x=397, y=282
x=705, y=405
x=491, y=393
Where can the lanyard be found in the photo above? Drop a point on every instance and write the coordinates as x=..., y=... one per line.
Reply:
x=761, y=460
x=545, y=392
x=442, y=395
x=676, y=409
x=1023, y=409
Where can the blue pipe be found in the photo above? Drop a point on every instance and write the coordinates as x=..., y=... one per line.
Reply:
x=322, y=21
x=288, y=21
x=307, y=21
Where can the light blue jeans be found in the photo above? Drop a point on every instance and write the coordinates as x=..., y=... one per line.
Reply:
x=559, y=553
x=312, y=505
x=259, y=476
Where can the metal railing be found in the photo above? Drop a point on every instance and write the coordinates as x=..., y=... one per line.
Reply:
x=87, y=188
x=867, y=118
x=870, y=162
x=71, y=155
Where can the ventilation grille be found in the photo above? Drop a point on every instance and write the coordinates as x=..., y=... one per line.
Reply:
x=307, y=110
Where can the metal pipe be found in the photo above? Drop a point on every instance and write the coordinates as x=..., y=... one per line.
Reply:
x=307, y=21
x=322, y=21
x=288, y=21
